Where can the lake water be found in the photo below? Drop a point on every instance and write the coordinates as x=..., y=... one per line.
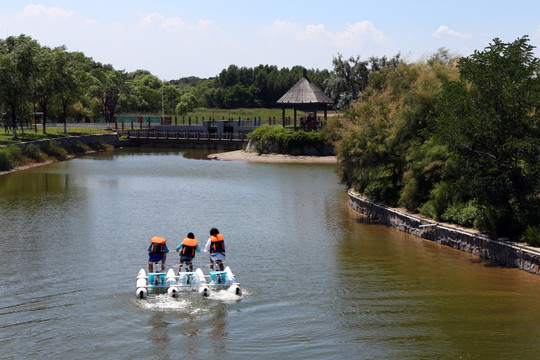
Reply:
x=318, y=281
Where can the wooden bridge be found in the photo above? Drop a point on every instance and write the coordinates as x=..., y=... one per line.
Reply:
x=184, y=138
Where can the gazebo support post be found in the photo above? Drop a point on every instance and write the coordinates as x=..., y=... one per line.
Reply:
x=295, y=118
x=283, y=116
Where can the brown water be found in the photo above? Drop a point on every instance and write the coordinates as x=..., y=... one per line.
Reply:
x=319, y=283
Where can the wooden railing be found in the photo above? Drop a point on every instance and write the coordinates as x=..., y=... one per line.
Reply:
x=186, y=135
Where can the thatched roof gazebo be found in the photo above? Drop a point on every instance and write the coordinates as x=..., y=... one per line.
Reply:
x=303, y=93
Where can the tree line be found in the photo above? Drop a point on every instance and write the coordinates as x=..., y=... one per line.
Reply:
x=57, y=83
x=455, y=139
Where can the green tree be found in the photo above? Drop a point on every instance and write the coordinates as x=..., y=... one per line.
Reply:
x=350, y=77
x=107, y=83
x=17, y=66
x=73, y=76
x=489, y=119
x=171, y=97
x=348, y=80
x=48, y=78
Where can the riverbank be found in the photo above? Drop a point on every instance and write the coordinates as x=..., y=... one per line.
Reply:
x=84, y=144
x=242, y=155
x=498, y=251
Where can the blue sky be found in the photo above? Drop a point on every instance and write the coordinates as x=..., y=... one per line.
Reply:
x=174, y=39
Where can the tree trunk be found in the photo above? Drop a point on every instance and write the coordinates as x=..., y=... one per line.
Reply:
x=64, y=111
x=14, y=122
x=44, y=119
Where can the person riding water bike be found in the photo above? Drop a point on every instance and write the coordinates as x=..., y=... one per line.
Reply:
x=217, y=247
x=187, y=248
x=157, y=251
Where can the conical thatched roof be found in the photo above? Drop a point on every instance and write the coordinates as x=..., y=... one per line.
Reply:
x=304, y=92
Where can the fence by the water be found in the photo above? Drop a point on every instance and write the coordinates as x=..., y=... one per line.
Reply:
x=133, y=122
x=186, y=135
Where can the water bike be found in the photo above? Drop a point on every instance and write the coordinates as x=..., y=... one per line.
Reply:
x=168, y=282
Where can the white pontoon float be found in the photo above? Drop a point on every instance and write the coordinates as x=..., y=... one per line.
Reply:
x=172, y=284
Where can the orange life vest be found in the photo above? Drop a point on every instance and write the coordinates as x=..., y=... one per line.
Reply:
x=217, y=245
x=189, y=246
x=158, y=245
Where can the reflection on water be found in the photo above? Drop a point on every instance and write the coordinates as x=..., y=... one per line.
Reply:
x=318, y=283
x=159, y=337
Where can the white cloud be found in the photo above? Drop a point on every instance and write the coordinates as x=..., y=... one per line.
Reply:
x=354, y=35
x=172, y=24
x=147, y=19
x=363, y=32
x=36, y=11
x=445, y=31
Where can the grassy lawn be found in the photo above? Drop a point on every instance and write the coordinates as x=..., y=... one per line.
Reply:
x=52, y=132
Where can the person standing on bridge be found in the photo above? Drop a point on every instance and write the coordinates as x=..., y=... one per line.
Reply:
x=216, y=245
x=187, y=248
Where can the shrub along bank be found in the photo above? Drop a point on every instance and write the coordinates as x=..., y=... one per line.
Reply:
x=454, y=140
x=275, y=139
x=18, y=155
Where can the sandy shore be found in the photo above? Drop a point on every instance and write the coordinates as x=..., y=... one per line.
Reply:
x=238, y=155
x=241, y=155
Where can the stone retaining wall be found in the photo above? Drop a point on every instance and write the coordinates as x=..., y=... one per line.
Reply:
x=70, y=141
x=500, y=252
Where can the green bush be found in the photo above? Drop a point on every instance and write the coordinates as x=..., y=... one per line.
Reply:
x=462, y=214
x=382, y=187
x=56, y=151
x=532, y=235
x=99, y=146
x=10, y=156
x=275, y=139
x=32, y=152
x=301, y=138
x=79, y=148
x=5, y=162
x=268, y=139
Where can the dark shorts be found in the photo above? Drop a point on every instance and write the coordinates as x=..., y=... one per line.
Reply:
x=186, y=258
x=155, y=258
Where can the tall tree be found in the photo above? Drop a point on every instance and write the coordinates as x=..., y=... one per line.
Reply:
x=72, y=75
x=489, y=119
x=17, y=66
x=44, y=82
x=106, y=88
x=348, y=79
